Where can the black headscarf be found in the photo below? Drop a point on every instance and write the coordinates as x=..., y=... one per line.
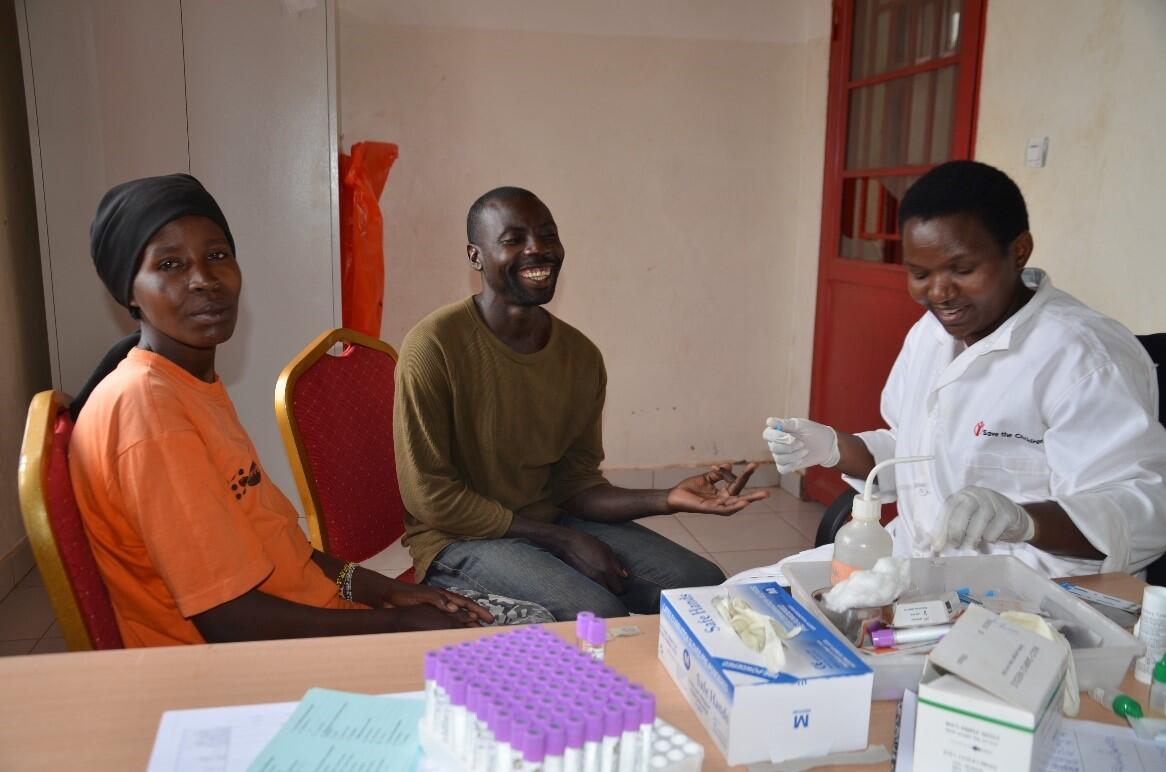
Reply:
x=127, y=218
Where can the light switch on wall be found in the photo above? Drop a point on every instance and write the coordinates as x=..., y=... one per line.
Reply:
x=1037, y=152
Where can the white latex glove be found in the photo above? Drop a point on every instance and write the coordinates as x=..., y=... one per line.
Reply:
x=978, y=515
x=797, y=443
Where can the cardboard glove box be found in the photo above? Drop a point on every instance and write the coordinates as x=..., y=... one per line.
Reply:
x=818, y=703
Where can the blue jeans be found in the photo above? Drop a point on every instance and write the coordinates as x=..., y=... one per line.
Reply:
x=519, y=569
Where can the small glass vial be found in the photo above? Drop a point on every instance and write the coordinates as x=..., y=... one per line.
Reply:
x=503, y=753
x=534, y=749
x=430, y=689
x=612, y=731
x=629, y=741
x=573, y=752
x=556, y=747
x=592, y=739
x=596, y=638
x=647, y=730
x=582, y=622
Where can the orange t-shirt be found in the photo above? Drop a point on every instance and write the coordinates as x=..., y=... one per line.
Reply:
x=181, y=515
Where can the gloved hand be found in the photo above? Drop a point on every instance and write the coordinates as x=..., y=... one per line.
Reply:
x=797, y=443
x=978, y=515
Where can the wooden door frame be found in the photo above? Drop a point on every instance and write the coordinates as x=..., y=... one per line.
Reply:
x=825, y=488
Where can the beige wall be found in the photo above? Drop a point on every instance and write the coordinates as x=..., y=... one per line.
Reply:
x=1091, y=76
x=679, y=146
x=25, y=368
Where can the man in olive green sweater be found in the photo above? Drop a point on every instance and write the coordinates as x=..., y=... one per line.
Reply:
x=498, y=443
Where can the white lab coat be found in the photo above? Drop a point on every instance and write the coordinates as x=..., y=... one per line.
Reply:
x=1059, y=403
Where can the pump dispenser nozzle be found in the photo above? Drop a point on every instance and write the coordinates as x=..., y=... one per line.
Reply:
x=867, y=504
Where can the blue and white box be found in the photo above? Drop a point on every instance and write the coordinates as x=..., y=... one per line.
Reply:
x=818, y=703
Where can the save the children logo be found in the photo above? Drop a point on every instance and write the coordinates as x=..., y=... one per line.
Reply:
x=980, y=430
x=244, y=480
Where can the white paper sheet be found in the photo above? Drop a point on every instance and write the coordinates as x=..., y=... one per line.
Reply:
x=221, y=739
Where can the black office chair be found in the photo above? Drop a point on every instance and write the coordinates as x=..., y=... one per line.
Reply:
x=838, y=512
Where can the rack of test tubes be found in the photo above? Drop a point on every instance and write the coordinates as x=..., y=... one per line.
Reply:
x=527, y=701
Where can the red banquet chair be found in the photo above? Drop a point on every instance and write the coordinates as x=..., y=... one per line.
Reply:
x=335, y=413
x=55, y=532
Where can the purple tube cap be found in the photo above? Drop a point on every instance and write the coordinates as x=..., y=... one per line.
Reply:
x=430, y=665
x=501, y=725
x=631, y=715
x=534, y=746
x=647, y=708
x=597, y=631
x=556, y=739
x=576, y=728
x=613, y=720
x=593, y=725
x=883, y=638
x=457, y=690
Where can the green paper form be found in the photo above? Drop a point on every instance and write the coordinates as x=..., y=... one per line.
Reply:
x=332, y=731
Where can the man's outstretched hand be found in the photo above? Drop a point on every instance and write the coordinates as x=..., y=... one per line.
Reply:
x=716, y=492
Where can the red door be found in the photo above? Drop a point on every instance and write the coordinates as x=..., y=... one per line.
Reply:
x=903, y=77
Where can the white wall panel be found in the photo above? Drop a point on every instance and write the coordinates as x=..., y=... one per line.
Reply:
x=106, y=103
x=241, y=95
x=258, y=96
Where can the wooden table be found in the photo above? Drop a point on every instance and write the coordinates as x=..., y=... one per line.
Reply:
x=100, y=710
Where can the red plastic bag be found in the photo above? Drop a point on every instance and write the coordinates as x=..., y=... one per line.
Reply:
x=362, y=258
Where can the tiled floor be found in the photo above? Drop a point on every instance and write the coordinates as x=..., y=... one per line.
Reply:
x=760, y=535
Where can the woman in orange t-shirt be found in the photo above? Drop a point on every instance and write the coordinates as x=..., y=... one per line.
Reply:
x=193, y=540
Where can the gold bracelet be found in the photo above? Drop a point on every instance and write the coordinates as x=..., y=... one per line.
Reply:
x=344, y=580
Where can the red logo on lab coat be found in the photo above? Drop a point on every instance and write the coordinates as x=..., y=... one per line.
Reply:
x=978, y=428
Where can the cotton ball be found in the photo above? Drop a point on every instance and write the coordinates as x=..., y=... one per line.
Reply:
x=879, y=586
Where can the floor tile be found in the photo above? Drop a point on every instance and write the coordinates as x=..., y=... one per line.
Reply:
x=31, y=579
x=765, y=476
x=736, y=562
x=755, y=528
x=49, y=646
x=7, y=580
x=15, y=648
x=25, y=614
x=805, y=518
x=54, y=630
x=22, y=560
x=671, y=528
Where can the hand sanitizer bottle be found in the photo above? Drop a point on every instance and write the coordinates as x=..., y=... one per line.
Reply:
x=861, y=542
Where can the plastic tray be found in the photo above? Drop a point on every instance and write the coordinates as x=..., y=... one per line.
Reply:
x=1105, y=665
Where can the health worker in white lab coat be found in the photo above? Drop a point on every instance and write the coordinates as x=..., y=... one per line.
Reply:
x=1040, y=411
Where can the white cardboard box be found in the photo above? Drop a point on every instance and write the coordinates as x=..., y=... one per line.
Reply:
x=819, y=703
x=990, y=697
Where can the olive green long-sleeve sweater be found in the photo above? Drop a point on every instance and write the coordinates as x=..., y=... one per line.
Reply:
x=482, y=431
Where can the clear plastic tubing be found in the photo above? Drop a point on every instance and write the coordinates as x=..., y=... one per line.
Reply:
x=596, y=638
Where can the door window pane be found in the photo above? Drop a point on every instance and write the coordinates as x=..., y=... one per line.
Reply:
x=901, y=122
x=893, y=34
